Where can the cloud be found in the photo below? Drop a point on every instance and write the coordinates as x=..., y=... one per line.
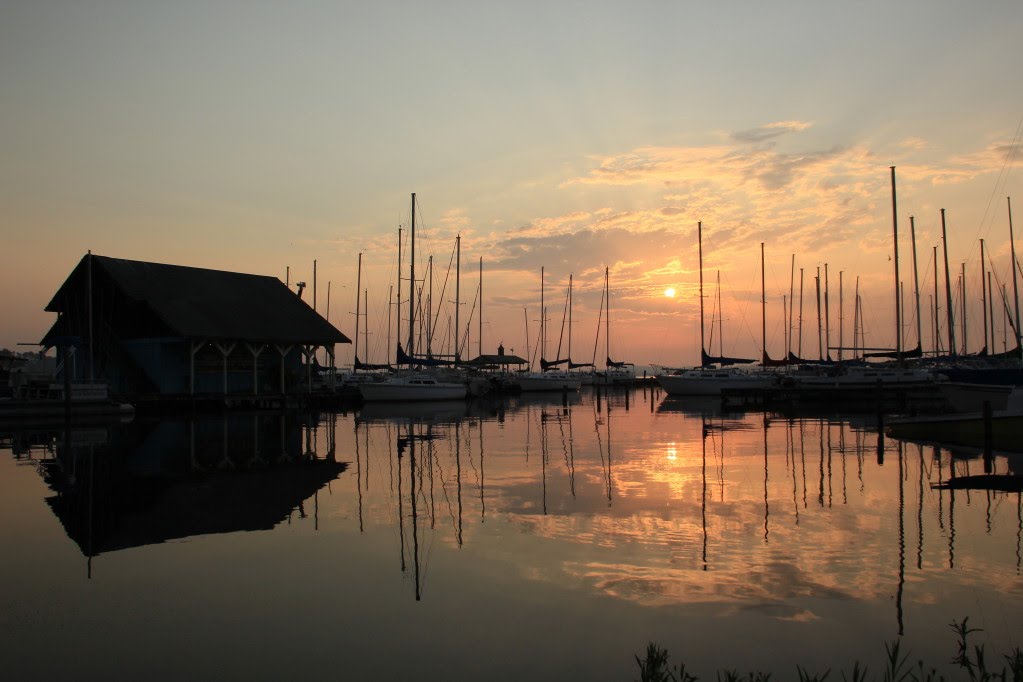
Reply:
x=914, y=143
x=636, y=212
x=770, y=131
x=968, y=166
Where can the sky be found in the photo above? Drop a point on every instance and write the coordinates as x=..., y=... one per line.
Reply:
x=574, y=136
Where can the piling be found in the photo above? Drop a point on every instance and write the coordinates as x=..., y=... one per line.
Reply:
x=988, y=437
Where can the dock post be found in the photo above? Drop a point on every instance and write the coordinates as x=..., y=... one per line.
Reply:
x=988, y=437
x=880, y=425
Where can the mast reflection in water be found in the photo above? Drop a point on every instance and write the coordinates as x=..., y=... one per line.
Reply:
x=532, y=536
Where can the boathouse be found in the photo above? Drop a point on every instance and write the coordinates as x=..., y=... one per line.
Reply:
x=151, y=329
x=501, y=361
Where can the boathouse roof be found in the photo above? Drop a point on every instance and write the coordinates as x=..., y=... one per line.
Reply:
x=500, y=360
x=196, y=303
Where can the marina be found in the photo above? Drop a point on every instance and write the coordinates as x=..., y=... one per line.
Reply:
x=658, y=341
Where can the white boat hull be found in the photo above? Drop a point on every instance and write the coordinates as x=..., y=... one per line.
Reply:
x=868, y=378
x=711, y=383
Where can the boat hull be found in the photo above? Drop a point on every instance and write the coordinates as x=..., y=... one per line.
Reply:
x=16, y=410
x=1006, y=430
x=547, y=383
x=870, y=378
x=384, y=391
x=710, y=384
x=969, y=397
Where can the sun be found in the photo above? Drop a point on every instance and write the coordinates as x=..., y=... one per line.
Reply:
x=669, y=292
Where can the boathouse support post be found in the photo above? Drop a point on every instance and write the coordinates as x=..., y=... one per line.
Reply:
x=256, y=351
x=225, y=350
x=194, y=347
x=191, y=445
x=283, y=352
x=309, y=352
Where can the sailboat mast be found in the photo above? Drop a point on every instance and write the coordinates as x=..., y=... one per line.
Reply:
x=820, y=347
x=933, y=311
x=936, y=325
x=827, y=314
x=991, y=309
x=895, y=241
x=397, y=304
x=607, y=320
x=784, y=314
x=788, y=327
x=412, y=283
x=962, y=291
x=1015, y=285
x=569, y=320
x=763, y=308
x=983, y=295
x=365, y=323
x=92, y=374
x=841, y=317
x=328, y=320
x=721, y=324
x=1005, y=320
x=902, y=300
x=480, y=341
x=525, y=315
x=458, y=291
x=358, y=288
x=430, y=317
x=856, y=318
x=543, y=323
x=387, y=348
x=699, y=238
x=799, y=346
x=948, y=291
x=916, y=285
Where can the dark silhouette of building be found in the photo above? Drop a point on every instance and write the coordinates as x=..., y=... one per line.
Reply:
x=156, y=329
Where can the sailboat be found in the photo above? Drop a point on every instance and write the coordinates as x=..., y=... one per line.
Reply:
x=415, y=385
x=586, y=376
x=546, y=380
x=868, y=378
x=706, y=380
x=615, y=372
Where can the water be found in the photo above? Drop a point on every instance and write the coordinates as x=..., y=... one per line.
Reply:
x=523, y=539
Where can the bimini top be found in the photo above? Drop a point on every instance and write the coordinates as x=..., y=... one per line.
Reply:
x=154, y=299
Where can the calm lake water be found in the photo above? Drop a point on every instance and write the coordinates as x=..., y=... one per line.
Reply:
x=520, y=539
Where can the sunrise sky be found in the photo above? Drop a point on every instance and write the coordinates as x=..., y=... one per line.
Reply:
x=254, y=136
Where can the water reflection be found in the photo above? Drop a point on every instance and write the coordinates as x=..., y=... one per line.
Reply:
x=152, y=482
x=615, y=497
x=650, y=471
